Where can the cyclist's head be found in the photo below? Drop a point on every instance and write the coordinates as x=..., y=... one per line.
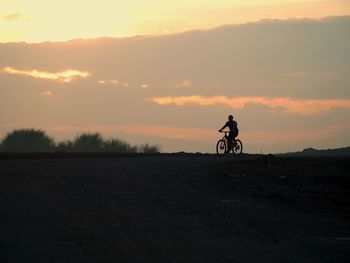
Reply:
x=230, y=117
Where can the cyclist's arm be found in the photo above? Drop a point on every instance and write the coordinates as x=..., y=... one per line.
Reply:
x=226, y=125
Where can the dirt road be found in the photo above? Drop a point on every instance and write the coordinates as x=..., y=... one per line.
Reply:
x=166, y=209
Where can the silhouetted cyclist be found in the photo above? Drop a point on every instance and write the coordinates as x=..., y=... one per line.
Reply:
x=232, y=125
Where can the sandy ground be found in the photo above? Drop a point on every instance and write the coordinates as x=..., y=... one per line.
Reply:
x=189, y=208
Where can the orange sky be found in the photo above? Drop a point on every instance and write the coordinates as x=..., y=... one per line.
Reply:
x=285, y=80
x=42, y=20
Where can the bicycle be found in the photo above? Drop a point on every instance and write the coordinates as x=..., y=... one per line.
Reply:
x=222, y=145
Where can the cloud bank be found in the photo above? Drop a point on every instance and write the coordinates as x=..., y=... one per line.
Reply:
x=62, y=76
x=288, y=105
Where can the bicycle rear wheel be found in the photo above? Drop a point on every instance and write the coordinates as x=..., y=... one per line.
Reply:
x=221, y=147
x=237, y=148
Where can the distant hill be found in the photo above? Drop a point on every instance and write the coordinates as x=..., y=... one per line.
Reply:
x=345, y=151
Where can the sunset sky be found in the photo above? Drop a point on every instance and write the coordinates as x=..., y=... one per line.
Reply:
x=169, y=72
x=42, y=20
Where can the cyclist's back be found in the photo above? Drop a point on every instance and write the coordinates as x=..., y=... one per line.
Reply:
x=232, y=125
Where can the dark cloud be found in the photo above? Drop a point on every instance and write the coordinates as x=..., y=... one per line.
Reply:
x=303, y=58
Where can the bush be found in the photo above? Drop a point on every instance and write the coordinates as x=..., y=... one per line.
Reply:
x=31, y=140
x=65, y=146
x=88, y=142
x=118, y=146
x=147, y=148
x=27, y=140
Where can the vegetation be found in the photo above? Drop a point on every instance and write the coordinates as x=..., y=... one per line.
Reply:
x=88, y=142
x=147, y=148
x=65, y=146
x=27, y=140
x=118, y=146
x=31, y=140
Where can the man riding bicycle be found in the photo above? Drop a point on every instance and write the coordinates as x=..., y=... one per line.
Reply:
x=232, y=125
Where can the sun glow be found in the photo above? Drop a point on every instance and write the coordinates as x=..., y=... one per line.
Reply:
x=41, y=20
x=63, y=76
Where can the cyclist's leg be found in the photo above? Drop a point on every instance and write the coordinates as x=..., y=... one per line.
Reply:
x=230, y=140
x=234, y=135
x=227, y=137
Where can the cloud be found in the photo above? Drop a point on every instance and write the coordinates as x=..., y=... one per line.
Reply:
x=122, y=84
x=46, y=94
x=114, y=81
x=288, y=105
x=16, y=17
x=184, y=84
x=64, y=76
x=146, y=86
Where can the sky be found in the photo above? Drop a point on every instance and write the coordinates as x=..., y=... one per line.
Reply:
x=42, y=20
x=170, y=72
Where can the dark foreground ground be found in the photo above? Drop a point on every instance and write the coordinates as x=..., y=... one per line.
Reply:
x=175, y=208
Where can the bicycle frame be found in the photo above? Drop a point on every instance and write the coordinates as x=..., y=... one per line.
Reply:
x=235, y=145
x=226, y=136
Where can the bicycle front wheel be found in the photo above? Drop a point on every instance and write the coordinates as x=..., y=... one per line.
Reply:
x=221, y=147
x=237, y=148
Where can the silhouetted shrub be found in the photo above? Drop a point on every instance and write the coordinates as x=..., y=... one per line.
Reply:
x=118, y=146
x=88, y=142
x=65, y=146
x=27, y=140
x=31, y=140
x=147, y=148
